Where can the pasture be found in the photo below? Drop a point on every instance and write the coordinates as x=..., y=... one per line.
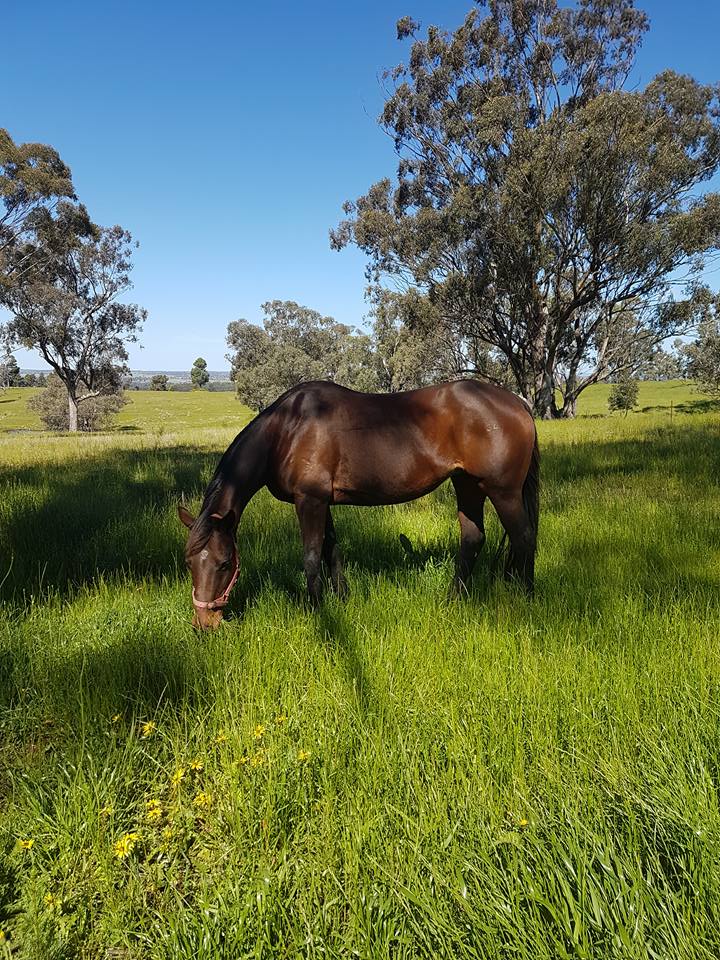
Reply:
x=399, y=776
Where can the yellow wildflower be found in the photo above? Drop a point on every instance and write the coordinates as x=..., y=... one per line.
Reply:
x=257, y=759
x=26, y=844
x=196, y=766
x=221, y=737
x=258, y=731
x=52, y=901
x=202, y=799
x=125, y=845
x=177, y=776
x=243, y=760
x=106, y=811
x=168, y=833
x=3, y=936
x=116, y=718
x=523, y=823
x=280, y=719
x=147, y=729
x=154, y=809
x=303, y=755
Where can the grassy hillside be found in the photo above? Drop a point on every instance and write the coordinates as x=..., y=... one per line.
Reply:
x=401, y=776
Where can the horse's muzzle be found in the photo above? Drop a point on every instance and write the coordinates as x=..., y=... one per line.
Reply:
x=207, y=619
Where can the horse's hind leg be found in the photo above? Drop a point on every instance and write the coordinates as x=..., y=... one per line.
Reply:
x=470, y=503
x=513, y=516
x=333, y=558
x=312, y=514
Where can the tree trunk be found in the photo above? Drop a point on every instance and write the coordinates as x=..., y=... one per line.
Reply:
x=545, y=406
x=72, y=414
x=568, y=410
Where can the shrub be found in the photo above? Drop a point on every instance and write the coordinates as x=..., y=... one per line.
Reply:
x=623, y=395
x=95, y=413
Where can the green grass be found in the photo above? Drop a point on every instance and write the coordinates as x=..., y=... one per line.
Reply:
x=494, y=778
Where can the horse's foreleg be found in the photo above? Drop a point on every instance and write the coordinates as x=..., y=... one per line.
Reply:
x=312, y=514
x=333, y=558
x=472, y=530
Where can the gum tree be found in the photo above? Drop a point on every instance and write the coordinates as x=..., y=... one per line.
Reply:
x=542, y=207
x=63, y=302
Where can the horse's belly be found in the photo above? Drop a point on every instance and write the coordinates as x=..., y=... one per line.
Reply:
x=374, y=488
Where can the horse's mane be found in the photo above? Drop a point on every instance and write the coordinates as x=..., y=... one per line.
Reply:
x=204, y=526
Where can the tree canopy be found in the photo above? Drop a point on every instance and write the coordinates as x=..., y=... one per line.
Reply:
x=542, y=209
x=32, y=178
x=296, y=344
x=199, y=376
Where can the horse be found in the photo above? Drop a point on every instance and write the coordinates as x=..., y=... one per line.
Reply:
x=321, y=445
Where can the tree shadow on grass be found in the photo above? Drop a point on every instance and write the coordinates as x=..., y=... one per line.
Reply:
x=688, y=406
x=682, y=451
x=72, y=524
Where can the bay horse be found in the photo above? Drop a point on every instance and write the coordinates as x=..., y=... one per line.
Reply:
x=321, y=444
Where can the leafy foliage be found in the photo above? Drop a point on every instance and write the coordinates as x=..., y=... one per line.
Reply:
x=296, y=344
x=541, y=208
x=703, y=355
x=95, y=412
x=159, y=382
x=623, y=395
x=32, y=178
x=9, y=372
x=199, y=376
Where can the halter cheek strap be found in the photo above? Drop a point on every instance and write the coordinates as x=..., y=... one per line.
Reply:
x=222, y=600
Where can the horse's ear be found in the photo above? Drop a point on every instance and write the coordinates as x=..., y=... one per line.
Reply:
x=187, y=518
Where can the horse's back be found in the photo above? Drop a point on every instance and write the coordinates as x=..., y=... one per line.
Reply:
x=385, y=448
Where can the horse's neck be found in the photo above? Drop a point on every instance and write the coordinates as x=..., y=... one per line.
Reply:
x=244, y=471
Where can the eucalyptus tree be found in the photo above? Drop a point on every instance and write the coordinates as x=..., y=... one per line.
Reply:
x=296, y=344
x=542, y=207
x=63, y=301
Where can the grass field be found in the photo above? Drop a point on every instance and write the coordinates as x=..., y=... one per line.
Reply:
x=400, y=776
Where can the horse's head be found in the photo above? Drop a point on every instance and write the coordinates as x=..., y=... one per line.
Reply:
x=211, y=556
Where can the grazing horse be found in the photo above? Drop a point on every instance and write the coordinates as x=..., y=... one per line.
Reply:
x=320, y=444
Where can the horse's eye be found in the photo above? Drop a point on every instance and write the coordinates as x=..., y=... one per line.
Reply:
x=225, y=565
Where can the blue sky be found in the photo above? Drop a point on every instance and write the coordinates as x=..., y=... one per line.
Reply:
x=226, y=136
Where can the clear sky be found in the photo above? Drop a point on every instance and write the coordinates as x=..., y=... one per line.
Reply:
x=226, y=136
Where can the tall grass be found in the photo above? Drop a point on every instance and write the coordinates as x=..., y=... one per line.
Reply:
x=398, y=776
